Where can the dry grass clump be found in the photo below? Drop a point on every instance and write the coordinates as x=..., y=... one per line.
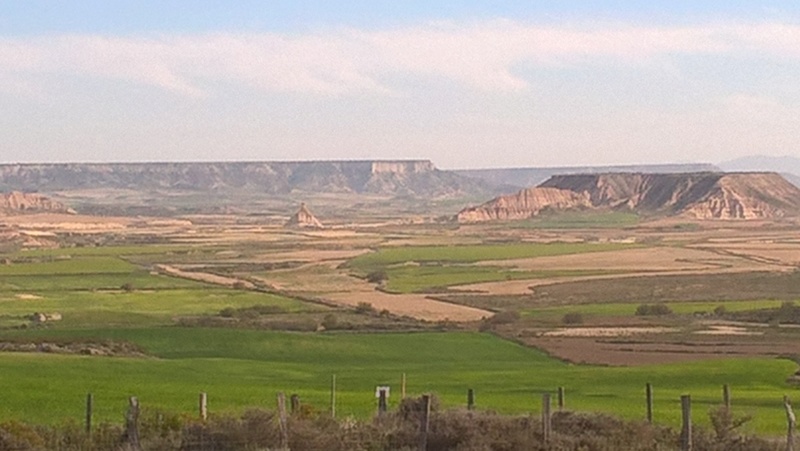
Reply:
x=456, y=430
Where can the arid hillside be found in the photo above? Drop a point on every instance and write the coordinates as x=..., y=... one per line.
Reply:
x=16, y=202
x=391, y=178
x=703, y=195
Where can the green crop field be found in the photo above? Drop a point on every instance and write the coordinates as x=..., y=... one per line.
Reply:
x=578, y=220
x=247, y=368
x=78, y=265
x=629, y=309
x=111, y=294
x=475, y=253
x=91, y=286
x=90, y=308
x=427, y=278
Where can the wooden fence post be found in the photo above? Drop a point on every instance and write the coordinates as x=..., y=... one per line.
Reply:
x=546, y=418
x=132, y=423
x=294, y=401
x=403, y=386
x=792, y=423
x=470, y=399
x=381, y=402
x=425, y=422
x=686, y=429
x=648, y=390
x=333, y=396
x=282, y=421
x=561, y=398
x=203, y=406
x=726, y=396
x=89, y=408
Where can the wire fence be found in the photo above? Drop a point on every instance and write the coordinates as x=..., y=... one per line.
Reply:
x=293, y=425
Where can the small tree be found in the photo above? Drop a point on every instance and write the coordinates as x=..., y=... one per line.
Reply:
x=572, y=318
x=365, y=308
x=377, y=277
x=659, y=309
x=330, y=321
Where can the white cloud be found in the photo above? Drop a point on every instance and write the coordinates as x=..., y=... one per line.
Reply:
x=480, y=56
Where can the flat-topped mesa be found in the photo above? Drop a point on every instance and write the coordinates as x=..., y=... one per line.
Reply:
x=304, y=219
x=16, y=202
x=374, y=177
x=702, y=195
x=402, y=167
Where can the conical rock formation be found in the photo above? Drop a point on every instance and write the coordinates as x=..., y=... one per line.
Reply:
x=304, y=219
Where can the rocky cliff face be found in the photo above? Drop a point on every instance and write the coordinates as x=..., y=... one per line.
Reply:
x=16, y=202
x=415, y=177
x=524, y=204
x=517, y=178
x=748, y=196
x=705, y=195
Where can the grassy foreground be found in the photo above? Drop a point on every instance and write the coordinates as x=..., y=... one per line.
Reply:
x=241, y=368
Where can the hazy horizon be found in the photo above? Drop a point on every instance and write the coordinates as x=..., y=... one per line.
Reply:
x=463, y=84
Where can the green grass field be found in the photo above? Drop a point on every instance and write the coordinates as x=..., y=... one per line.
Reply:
x=420, y=269
x=85, y=285
x=474, y=253
x=421, y=279
x=579, y=220
x=629, y=309
x=147, y=307
x=247, y=368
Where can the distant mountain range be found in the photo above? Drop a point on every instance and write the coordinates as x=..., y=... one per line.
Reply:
x=513, y=179
x=392, y=178
x=787, y=166
x=253, y=184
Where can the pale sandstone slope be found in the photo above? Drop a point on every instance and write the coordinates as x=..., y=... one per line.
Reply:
x=304, y=219
x=704, y=195
x=16, y=202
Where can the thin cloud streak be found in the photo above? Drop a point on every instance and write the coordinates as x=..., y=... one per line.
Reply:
x=348, y=61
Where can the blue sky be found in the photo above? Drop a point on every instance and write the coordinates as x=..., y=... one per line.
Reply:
x=29, y=17
x=463, y=83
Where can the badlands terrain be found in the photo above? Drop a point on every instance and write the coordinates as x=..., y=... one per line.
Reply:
x=594, y=277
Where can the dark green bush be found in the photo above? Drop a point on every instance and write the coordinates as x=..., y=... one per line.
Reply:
x=659, y=309
x=572, y=318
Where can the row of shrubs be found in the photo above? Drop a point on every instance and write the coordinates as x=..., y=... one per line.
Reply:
x=457, y=430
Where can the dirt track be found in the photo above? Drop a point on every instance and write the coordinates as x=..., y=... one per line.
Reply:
x=415, y=305
x=203, y=277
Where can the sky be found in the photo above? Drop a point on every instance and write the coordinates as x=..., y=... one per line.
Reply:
x=466, y=84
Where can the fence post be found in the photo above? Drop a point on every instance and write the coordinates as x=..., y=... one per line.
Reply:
x=648, y=389
x=294, y=400
x=726, y=396
x=203, y=405
x=792, y=423
x=470, y=399
x=89, y=408
x=333, y=396
x=686, y=429
x=381, y=402
x=546, y=418
x=425, y=422
x=132, y=423
x=561, y=398
x=282, y=421
x=403, y=386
